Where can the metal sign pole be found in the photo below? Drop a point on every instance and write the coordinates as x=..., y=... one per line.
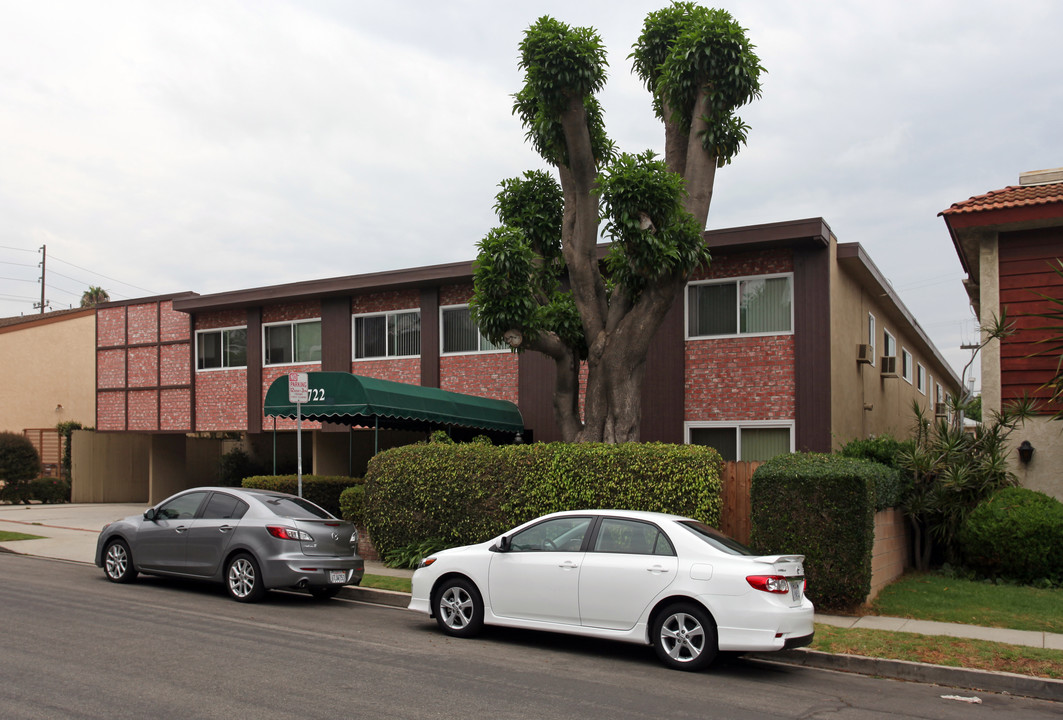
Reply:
x=299, y=445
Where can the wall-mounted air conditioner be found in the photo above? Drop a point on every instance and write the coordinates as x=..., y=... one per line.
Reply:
x=889, y=366
x=865, y=354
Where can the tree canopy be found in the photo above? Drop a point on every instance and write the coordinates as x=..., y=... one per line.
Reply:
x=542, y=282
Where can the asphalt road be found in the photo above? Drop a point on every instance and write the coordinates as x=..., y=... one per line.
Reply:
x=77, y=646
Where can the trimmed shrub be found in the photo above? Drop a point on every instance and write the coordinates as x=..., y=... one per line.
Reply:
x=351, y=502
x=467, y=493
x=19, y=465
x=1017, y=534
x=888, y=478
x=323, y=490
x=50, y=490
x=822, y=507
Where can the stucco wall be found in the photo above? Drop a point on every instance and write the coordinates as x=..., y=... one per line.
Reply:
x=49, y=372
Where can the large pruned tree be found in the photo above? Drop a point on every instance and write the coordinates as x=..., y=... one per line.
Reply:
x=541, y=281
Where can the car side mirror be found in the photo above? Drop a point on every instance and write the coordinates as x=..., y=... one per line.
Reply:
x=149, y=514
x=501, y=545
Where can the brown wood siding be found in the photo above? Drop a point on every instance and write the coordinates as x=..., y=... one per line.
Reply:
x=430, y=337
x=812, y=343
x=662, y=386
x=336, y=343
x=254, y=371
x=535, y=388
x=1026, y=259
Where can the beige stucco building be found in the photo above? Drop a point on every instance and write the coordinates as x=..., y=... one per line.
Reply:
x=49, y=367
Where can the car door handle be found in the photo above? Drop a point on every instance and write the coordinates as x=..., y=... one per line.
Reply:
x=568, y=565
x=225, y=528
x=180, y=529
x=657, y=569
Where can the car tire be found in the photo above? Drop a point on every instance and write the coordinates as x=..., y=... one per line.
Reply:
x=324, y=592
x=118, y=562
x=684, y=637
x=243, y=579
x=459, y=608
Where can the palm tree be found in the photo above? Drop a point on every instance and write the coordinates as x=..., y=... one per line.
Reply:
x=94, y=296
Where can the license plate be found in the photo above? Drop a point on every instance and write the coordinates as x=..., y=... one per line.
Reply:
x=337, y=576
x=795, y=589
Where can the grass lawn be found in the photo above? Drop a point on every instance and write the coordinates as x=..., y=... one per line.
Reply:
x=934, y=596
x=9, y=536
x=938, y=650
x=386, y=582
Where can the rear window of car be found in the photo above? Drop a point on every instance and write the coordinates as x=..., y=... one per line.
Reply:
x=716, y=538
x=296, y=508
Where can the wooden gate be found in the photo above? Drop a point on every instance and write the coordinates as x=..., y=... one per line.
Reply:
x=49, y=446
x=735, y=514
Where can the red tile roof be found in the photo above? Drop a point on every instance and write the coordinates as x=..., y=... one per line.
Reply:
x=1015, y=196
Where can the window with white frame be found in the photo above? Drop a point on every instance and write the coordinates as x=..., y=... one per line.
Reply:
x=906, y=365
x=872, y=337
x=390, y=334
x=920, y=378
x=459, y=334
x=939, y=393
x=743, y=441
x=221, y=348
x=291, y=342
x=889, y=344
x=746, y=306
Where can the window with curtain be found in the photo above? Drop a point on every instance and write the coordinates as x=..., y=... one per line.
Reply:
x=222, y=348
x=295, y=342
x=751, y=306
x=393, y=334
x=460, y=334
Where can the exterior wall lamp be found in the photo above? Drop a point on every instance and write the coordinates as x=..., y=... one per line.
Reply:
x=1025, y=452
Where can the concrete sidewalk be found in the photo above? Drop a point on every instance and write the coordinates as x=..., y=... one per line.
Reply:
x=69, y=532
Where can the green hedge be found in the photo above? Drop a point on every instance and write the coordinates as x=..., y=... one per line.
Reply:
x=44, y=490
x=1017, y=534
x=820, y=506
x=468, y=493
x=885, y=451
x=323, y=490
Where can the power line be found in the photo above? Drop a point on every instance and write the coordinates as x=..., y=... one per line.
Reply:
x=66, y=262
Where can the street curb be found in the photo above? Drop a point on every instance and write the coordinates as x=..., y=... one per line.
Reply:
x=970, y=679
x=375, y=596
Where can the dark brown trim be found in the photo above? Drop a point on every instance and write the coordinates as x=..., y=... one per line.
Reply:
x=430, y=350
x=254, y=370
x=663, y=385
x=793, y=233
x=812, y=348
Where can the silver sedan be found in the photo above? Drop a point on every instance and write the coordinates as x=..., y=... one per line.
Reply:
x=249, y=540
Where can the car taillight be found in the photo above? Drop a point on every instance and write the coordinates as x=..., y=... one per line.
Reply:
x=287, y=533
x=769, y=583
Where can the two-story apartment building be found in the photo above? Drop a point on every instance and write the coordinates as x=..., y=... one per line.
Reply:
x=787, y=341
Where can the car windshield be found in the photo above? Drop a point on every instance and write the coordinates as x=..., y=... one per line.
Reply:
x=716, y=538
x=294, y=507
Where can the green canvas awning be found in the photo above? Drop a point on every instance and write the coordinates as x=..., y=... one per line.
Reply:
x=356, y=400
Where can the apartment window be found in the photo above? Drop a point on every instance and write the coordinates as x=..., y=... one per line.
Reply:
x=221, y=348
x=920, y=378
x=871, y=337
x=460, y=334
x=889, y=344
x=393, y=334
x=906, y=365
x=292, y=342
x=939, y=394
x=750, y=306
x=748, y=442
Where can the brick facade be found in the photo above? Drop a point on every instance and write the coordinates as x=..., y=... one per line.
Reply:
x=740, y=379
x=492, y=375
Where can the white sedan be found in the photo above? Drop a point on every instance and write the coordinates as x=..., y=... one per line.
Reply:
x=639, y=577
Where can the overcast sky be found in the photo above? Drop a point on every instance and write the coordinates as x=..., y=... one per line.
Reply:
x=158, y=147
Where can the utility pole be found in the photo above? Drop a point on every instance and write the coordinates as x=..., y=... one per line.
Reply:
x=43, y=304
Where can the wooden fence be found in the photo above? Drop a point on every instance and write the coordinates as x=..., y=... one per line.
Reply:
x=735, y=514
